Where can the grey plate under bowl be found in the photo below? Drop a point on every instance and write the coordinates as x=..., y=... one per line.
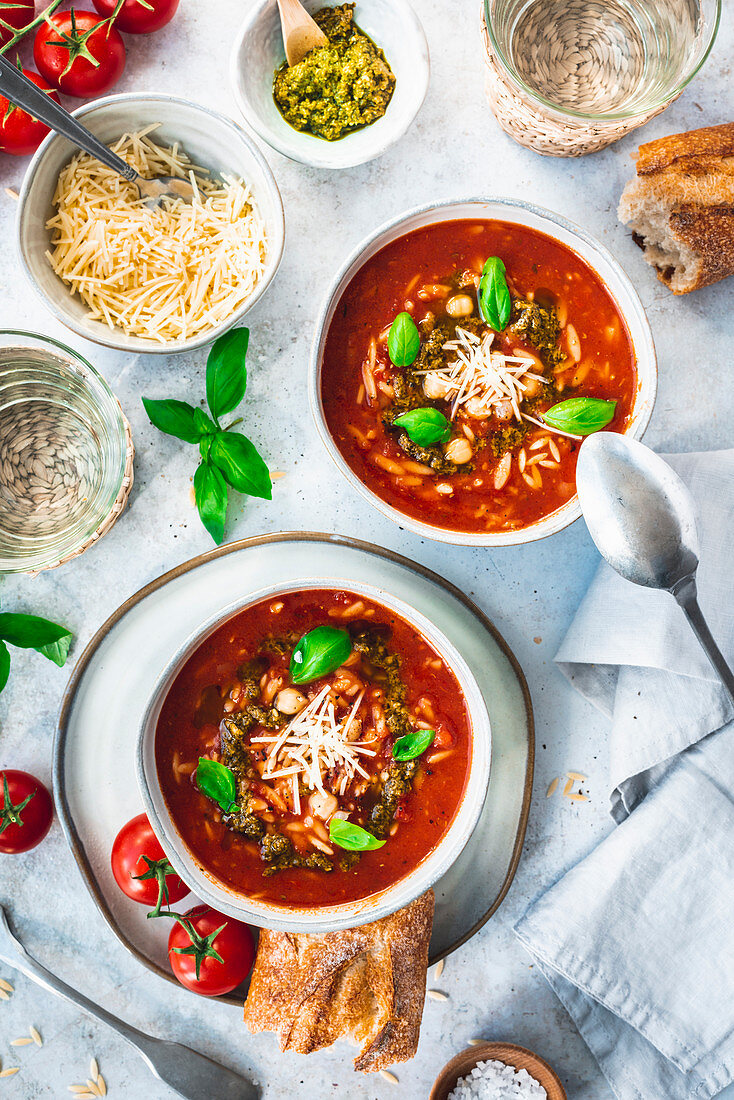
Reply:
x=94, y=751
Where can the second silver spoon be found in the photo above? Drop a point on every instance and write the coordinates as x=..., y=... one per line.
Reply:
x=21, y=91
x=642, y=519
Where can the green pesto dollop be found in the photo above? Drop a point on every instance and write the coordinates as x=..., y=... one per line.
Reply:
x=336, y=88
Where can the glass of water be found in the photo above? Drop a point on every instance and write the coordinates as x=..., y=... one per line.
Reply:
x=596, y=67
x=65, y=453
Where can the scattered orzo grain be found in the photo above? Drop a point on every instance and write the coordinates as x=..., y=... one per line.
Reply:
x=389, y=1076
x=437, y=995
x=552, y=786
x=6, y=986
x=439, y=968
x=22, y=1042
x=9, y=1071
x=35, y=1035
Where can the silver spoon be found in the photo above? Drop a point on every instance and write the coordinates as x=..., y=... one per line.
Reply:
x=21, y=91
x=192, y=1075
x=641, y=517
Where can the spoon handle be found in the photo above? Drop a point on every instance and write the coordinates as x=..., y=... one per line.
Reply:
x=21, y=91
x=687, y=596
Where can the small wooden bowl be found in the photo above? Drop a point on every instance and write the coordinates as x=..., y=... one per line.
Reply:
x=464, y=1063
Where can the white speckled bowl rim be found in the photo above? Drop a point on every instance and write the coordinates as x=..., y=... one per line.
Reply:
x=553, y=225
x=93, y=807
x=258, y=51
x=215, y=142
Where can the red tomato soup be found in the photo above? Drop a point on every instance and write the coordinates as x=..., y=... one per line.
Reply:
x=498, y=466
x=314, y=750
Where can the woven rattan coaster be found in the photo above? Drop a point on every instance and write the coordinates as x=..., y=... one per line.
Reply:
x=540, y=128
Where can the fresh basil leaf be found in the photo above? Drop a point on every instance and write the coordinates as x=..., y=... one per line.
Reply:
x=226, y=374
x=210, y=493
x=318, y=653
x=58, y=651
x=204, y=423
x=241, y=465
x=4, y=665
x=581, y=415
x=217, y=782
x=352, y=837
x=175, y=418
x=424, y=426
x=30, y=631
x=403, y=341
x=413, y=744
x=493, y=295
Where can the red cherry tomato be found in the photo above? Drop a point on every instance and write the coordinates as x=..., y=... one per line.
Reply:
x=26, y=811
x=136, y=852
x=63, y=50
x=20, y=133
x=13, y=17
x=136, y=17
x=213, y=934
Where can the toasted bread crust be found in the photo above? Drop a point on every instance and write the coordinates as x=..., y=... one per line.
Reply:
x=710, y=143
x=708, y=231
x=368, y=983
x=680, y=207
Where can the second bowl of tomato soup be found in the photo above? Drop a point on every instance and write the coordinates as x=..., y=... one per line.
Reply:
x=315, y=757
x=464, y=353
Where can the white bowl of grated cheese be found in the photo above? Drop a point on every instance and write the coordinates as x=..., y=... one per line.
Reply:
x=140, y=280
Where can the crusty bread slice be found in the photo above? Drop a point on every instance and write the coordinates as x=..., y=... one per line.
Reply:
x=366, y=983
x=680, y=206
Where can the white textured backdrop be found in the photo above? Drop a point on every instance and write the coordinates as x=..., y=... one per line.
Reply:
x=454, y=148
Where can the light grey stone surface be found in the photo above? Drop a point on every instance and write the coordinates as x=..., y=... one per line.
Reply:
x=455, y=148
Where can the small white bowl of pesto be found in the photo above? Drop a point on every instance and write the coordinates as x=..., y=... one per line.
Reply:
x=346, y=102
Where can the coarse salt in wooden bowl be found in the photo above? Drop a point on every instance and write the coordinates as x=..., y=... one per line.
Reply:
x=518, y=1057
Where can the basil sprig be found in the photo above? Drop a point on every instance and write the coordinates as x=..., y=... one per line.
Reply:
x=424, y=426
x=31, y=632
x=581, y=415
x=493, y=295
x=413, y=744
x=318, y=653
x=226, y=458
x=403, y=341
x=352, y=837
x=217, y=782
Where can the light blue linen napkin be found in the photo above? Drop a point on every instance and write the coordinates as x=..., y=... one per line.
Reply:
x=637, y=940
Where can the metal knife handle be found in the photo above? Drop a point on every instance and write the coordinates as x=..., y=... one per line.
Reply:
x=13, y=953
x=25, y=94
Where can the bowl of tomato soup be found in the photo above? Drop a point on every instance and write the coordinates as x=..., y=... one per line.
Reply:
x=463, y=353
x=315, y=757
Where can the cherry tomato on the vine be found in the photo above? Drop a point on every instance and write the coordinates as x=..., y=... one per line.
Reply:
x=80, y=53
x=13, y=17
x=213, y=954
x=26, y=811
x=139, y=16
x=141, y=867
x=20, y=133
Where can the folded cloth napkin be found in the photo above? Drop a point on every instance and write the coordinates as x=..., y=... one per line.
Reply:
x=637, y=940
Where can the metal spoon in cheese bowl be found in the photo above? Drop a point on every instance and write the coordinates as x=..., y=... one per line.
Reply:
x=190, y=1074
x=642, y=519
x=21, y=91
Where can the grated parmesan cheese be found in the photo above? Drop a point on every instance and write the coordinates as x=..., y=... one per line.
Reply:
x=167, y=273
x=313, y=743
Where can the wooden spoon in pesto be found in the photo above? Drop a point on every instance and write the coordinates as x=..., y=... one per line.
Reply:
x=300, y=33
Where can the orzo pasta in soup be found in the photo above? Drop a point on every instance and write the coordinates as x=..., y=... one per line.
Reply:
x=446, y=353
x=314, y=749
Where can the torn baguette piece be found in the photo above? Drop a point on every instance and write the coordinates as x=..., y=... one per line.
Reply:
x=680, y=206
x=366, y=983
